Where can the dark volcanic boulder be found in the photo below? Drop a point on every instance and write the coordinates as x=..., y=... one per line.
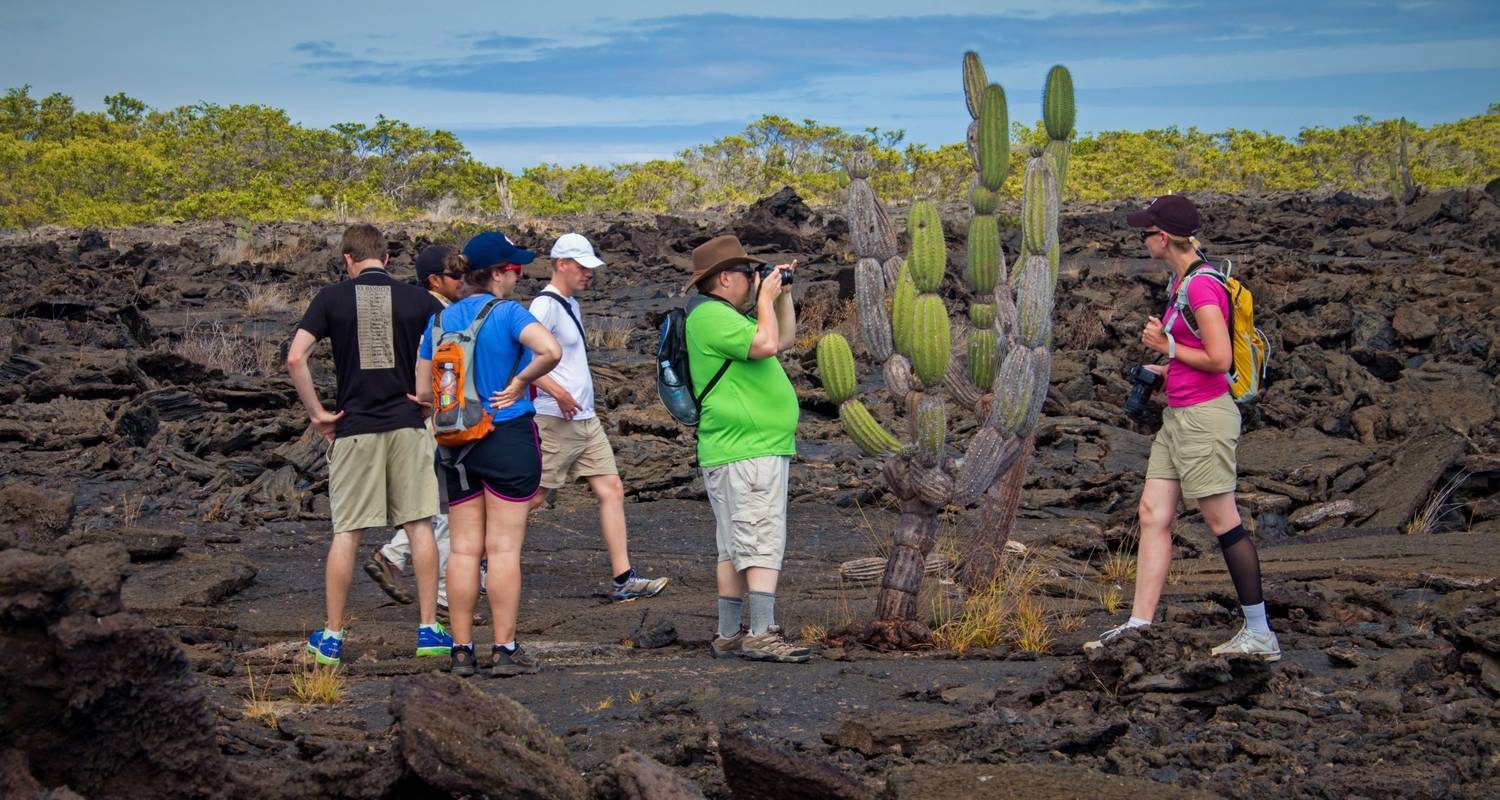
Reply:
x=36, y=514
x=455, y=739
x=634, y=776
x=757, y=768
x=96, y=699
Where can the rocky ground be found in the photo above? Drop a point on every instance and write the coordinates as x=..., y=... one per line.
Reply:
x=163, y=516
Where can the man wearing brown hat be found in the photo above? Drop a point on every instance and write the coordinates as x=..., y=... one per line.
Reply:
x=746, y=435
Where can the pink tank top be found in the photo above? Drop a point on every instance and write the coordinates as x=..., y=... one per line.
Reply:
x=1186, y=386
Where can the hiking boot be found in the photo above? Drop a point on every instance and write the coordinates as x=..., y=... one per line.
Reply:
x=772, y=646
x=636, y=587
x=325, y=649
x=1109, y=636
x=462, y=664
x=1250, y=643
x=726, y=646
x=434, y=641
x=387, y=577
x=508, y=663
x=484, y=576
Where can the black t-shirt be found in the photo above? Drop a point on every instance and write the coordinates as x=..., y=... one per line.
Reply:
x=375, y=323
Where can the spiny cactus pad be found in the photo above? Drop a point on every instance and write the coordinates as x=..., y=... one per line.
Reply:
x=903, y=303
x=928, y=257
x=862, y=428
x=1057, y=103
x=1035, y=302
x=869, y=302
x=982, y=315
x=985, y=257
x=974, y=82
x=983, y=200
x=931, y=342
x=1012, y=391
x=932, y=428
x=994, y=138
x=836, y=366
x=1039, y=205
x=981, y=357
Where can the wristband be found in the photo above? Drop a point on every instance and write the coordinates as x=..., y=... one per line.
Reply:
x=1171, y=347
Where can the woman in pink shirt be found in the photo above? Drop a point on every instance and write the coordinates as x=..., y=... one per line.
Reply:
x=1192, y=456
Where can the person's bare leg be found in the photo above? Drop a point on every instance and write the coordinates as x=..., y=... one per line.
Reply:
x=1157, y=509
x=539, y=499
x=505, y=531
x=338, y=571
x=731, y=581
x=466, y=545
x=610, y=493
x=424, y=562
x=762, y=579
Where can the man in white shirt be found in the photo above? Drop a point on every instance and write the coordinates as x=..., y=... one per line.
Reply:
x=573, y=441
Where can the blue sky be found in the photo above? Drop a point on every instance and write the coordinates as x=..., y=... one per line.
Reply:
x=598, y=82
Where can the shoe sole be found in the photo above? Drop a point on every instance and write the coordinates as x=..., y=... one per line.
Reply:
x=463, y=672
x=625, y=598
x=386, y=585
x=754, y=656
x=325, y=660
x=423, y=652
x=1270, y=658
x=723, y=653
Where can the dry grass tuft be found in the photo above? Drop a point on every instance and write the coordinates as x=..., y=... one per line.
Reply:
x=217, y=346
x=608, y=333
x=322, y=686
x=812, y=632
x=1008, y=611
x=258, y=705
x=635, y=696
x=1112, y=598
x=264, y=298
x=1437, y=506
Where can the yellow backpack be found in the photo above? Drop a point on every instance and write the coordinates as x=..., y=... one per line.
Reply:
x=1247, y=372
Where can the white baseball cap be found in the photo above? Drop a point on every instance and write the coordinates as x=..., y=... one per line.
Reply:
x=574, y=246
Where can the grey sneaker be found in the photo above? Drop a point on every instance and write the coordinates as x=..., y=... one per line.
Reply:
x=1250, y=643
x=637, y=587
x=726, y=646
x=509, y=663
x=1109, y=636
x=772, y=646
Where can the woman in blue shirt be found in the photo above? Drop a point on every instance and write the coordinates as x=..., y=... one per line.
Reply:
x=490, y=487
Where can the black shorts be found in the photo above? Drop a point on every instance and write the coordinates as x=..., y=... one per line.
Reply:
x=507, y=463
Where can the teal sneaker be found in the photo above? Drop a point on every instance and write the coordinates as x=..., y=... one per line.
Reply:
x=434, y=641
x=326, y=649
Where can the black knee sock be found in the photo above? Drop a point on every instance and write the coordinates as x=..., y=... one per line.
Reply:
x=1244, y=564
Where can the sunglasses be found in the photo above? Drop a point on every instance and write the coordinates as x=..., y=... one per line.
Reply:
x=1148, y=234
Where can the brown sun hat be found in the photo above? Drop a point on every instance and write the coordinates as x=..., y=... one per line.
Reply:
x=718, y=254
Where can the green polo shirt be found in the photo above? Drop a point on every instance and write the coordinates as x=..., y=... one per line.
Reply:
x=752, y=410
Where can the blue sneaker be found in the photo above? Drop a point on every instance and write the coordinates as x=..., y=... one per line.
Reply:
x=326, y=649
x=434, y=641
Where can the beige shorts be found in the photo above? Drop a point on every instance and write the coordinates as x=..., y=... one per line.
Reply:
x=381, y=479
x=749, y=502
x=573, y=449
x=1195, y=447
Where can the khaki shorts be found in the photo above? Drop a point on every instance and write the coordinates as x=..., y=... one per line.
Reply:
x=573, y=449
x=1195, y=447
x=749, y=502
x=382, y=479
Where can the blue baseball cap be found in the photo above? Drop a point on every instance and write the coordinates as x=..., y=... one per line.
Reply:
x=491, y=248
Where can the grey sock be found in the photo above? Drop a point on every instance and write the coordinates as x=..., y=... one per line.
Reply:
x=729, y=615
x=762, y=612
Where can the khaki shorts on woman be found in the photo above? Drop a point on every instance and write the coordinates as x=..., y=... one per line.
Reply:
x=1196, y=447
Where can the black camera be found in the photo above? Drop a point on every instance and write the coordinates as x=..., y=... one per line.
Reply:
x=764, y=270
x=1142, y=383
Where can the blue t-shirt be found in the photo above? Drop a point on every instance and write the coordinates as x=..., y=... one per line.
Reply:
x=495, y=350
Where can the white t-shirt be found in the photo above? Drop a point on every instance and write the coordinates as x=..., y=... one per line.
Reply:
x=572, y=372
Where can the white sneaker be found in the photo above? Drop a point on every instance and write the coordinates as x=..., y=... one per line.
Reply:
x=1250, y=643
x=1109, y=636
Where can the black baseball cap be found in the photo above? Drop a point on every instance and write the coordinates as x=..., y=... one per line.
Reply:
x=1172, y=213
x=430, y=262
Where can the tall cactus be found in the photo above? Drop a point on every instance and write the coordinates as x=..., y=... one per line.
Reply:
x=1057, y=116
x=998, y=373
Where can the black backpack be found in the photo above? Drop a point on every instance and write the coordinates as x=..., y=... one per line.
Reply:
x=674, y=381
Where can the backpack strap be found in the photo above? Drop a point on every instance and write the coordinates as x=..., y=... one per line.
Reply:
x=723, y=368
x=1180, y=305
x=568, y=307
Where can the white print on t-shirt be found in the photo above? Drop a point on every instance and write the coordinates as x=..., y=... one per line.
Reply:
x=572, y=372
x=372, y=312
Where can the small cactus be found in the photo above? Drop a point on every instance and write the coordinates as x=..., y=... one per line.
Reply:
x=994, y=138
x=986, y=259
x=981, y=357
x=1057, y=103
x=836, y=366
x=903, y=303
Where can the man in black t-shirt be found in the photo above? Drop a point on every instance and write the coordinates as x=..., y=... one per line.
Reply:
x=381, y=454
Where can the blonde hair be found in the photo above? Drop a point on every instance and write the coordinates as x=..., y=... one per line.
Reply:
x=1183, y=243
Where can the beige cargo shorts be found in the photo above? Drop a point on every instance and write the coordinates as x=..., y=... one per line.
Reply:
x=573, y=449
x=378, y=480
x=1196, y=447
x=749, y=502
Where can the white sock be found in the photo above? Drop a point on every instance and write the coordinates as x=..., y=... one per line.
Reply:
x=508, y=646
x=1137, y=622
x=1255, y=617
x=328, y=634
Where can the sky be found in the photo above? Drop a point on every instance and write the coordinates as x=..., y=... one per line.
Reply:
x=615, y=82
